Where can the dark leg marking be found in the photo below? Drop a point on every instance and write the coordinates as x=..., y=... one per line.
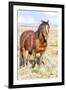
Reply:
x=38, y=61
x=21, y=60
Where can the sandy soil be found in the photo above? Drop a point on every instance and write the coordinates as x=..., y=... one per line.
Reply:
x=50, y=58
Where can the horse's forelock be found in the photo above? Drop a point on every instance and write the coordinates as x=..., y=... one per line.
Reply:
x=44, y=22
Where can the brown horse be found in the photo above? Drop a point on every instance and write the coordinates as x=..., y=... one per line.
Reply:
x=32, y=43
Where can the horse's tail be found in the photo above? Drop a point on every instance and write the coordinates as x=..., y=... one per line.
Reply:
x=21, y=59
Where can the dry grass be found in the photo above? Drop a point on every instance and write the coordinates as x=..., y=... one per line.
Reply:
x=50, y=58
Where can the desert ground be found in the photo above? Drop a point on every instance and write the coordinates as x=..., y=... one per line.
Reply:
x=50, y=67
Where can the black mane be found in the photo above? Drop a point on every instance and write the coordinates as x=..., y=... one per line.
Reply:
x=42, y=24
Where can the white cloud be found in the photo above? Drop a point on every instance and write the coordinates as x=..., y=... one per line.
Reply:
x=51, y=13
x=27, y=19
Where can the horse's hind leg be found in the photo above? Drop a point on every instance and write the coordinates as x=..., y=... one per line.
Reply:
x=21, y=59
x=25, y=59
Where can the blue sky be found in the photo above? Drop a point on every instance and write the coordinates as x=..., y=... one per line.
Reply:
x=35, y=17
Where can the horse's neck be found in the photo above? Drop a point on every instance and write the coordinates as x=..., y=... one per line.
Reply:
x=37, y=36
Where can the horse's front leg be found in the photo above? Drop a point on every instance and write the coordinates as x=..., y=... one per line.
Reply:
x=31, y=59
x=41, y=61
x=38, y=59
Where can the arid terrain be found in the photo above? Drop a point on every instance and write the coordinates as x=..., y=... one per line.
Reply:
x=50, y=57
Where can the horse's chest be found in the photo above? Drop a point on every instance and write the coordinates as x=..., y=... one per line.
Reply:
x=40, y=46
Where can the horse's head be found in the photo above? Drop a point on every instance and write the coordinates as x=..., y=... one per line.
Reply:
x=44, y=29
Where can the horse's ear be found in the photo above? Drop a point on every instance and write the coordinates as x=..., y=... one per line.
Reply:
x=48, y=23
x=42, y=21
